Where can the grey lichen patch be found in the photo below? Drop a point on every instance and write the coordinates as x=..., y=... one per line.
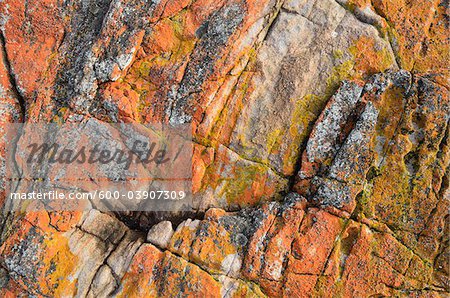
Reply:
x=353, y=159
x=215, y=34
x=325, y=135
x=22, y=263
x=74, y=78
x=4, y=277
x=333, y=193
x=87, y=61
x=347, y=173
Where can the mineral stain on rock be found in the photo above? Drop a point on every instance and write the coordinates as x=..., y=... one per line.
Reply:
x=320, y=134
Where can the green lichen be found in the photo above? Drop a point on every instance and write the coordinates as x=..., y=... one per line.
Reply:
x=338, y=54
x=306, y=111
x=241, y=182
x=343, y=71
x=274, y=141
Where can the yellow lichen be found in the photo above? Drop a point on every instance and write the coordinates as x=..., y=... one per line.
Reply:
x=59, y=264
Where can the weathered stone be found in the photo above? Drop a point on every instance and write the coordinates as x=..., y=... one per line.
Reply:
x=344, y=102
x=160, y=234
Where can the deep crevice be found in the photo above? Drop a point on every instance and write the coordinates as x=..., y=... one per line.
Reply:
x=142, y=221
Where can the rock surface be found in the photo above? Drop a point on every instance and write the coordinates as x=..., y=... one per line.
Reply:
x=320, y=133
x=160, y=234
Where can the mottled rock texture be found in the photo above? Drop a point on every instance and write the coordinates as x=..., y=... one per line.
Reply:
x=321, y=145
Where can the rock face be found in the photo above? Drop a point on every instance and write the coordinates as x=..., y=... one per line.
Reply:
x=320, y=133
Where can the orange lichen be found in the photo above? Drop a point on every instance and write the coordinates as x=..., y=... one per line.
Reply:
x=417, y=29
x=135, y=281
x=368, y=59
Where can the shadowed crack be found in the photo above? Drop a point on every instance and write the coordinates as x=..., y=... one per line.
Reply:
x=12, y=80
x=143, y=220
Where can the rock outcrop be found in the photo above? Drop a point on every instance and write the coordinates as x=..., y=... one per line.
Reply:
x=321, y=146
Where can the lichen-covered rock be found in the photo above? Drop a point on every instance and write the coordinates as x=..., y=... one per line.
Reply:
x=320, y=146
